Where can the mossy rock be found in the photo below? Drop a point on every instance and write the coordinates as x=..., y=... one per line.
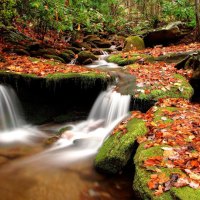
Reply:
x=134, y=42
x=142, y=176
x=54, y=57
x=84, y=55
x=180, y=89
x=116, y=151
x=67, y=56
x=127, y=60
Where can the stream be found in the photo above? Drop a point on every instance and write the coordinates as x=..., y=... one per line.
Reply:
x=30, y=170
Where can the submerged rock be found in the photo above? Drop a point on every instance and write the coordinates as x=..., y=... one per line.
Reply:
x=117, y=150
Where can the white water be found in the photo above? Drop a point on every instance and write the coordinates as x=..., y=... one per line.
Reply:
x=9, y=109
x=84, y=139
x=13, y=128
x=102, y=63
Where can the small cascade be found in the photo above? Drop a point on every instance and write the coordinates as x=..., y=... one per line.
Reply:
x=102, y=63
x=73, y=61
x=9, y=110
x=13, y=128
x=84, y=139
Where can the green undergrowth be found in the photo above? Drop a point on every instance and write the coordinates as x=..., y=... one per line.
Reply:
x=117, y=149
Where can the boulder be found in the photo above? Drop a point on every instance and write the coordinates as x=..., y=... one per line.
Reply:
x=85, y=55
x=133, y=42
x=172, y=33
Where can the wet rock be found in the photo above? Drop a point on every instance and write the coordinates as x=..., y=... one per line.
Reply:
x=133, y=42
x=85, y=55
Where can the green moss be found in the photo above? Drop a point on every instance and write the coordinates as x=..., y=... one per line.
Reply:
x=160, y=113
x=142, y=175
x=181, y=89
x=122, y=61
x=132, y=42
x=185, y=193
x=91, y=75
x=117, y=149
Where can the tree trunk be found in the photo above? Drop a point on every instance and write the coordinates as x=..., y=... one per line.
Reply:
x=197, y=3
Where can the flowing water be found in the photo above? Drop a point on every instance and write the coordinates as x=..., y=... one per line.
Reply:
x=13, y=128
x=64, y=170
x=101, y=63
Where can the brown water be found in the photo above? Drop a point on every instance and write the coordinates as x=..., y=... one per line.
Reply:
x=80, y=181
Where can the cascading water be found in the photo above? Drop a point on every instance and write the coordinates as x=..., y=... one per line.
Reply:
x=102, y=63
x=84, y=139
x=12, y=126
x=9, y=110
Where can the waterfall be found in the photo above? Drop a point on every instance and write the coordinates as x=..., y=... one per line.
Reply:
x=13, y=128
x=85, y=138
x=9, y=109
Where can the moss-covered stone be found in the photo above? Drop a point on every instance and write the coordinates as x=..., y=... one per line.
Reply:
x=67, y=57
x=134, y=42
x=180, y=89
x=84, y=55
x=143, y=173
x=118, y=148
x=142, y=176
x=122, y=60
